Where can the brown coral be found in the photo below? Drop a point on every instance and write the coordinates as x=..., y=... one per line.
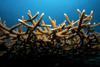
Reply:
x=63, y=37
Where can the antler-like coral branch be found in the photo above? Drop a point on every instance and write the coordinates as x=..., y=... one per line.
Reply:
x=41, y=35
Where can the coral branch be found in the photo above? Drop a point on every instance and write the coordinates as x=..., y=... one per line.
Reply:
x=52, y=22
x=67, y=19
x=40, y=37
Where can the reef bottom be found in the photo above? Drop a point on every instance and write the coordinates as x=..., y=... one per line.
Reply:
x=49, y=60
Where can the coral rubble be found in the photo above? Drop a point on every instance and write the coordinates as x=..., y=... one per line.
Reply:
x=61, y=39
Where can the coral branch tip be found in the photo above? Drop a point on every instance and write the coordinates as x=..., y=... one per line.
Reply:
x=20, y=20
x=38, y=12
x=64, y=13
x=42, y=13
x=77, y=9
x=83, y=10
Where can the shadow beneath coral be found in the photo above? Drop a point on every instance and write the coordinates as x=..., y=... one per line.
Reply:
x=49, y=59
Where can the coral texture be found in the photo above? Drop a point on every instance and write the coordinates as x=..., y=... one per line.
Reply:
x=77, y=35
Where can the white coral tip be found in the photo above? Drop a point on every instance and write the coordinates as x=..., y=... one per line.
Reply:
x=83, y=10
x=64, y=13
x=77, y=9
x=91, y=10
x=20, y=20
x=49, y=16
x=42, y=13
x=89, y=23
x=38, y=12
x=28, y=10
x=63, y=24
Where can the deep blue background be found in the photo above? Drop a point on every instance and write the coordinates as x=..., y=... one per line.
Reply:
x=12, y=10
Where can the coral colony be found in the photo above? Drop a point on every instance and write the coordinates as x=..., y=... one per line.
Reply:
x=62, y=39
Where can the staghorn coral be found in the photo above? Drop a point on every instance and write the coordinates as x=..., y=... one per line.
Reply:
x=61, y=39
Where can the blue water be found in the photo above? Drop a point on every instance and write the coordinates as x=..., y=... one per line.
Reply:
x=12, y=10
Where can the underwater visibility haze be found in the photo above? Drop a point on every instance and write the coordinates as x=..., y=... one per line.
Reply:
x=11, y=10
x=50, y=33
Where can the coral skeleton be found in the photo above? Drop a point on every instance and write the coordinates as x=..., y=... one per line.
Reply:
x=61, y=37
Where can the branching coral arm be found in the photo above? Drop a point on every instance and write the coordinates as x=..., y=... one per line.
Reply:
x=67, y=19
x=37, y=33
x=95, y=25
x=4, y=23
x=35, y=16
x=44, y=32
x=44, y=27
x=80, y=22
x=52, y=22
x=63, y=23
x=60, y=27
x=15, y=26
x=5, y=28
x=21, y=21
x=62, y=32
x=29, y=14
x=89, y=21
x=20, y=27
x=37, y=23
x=79, y=13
